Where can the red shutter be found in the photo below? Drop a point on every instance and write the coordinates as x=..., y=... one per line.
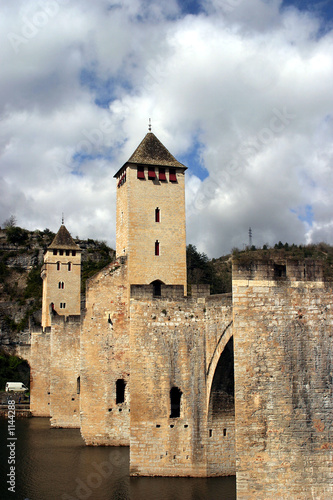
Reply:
x=161, y=174
x=141, y=173
x=151, y=173
x=172, y=175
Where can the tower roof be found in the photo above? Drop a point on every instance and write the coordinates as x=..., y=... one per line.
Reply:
x=63, y=240
x=152, y=152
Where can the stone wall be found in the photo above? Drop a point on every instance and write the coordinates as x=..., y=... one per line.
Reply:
x=283, y=387
x=168, y=350
x=105, y=418
x=65, y=371
x=40, y=359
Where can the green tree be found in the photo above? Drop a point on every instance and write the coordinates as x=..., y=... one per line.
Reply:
x=17, y=235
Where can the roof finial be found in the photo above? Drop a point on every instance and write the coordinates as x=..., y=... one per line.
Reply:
x=62, y=219
x=149, y=126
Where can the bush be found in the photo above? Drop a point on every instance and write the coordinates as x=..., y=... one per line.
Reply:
x=17, y=235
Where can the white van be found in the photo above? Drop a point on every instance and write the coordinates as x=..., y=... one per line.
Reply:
x=16, y=387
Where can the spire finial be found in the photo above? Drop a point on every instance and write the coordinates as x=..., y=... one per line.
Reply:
x=149, y=126
x=62, y=219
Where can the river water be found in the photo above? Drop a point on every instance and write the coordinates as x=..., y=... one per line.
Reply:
x=55, y=464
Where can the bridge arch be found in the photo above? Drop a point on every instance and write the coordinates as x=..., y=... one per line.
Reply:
x=220, y=346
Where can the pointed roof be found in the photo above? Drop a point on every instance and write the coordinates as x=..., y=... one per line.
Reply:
x=63, y=240
x=152, y=152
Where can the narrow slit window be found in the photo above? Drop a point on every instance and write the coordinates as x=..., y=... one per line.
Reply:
x=157, y=247
x=151, y=173
x=58, y=266
x=172, y=175
x=78, y=383
x=175, y=397
x=141, y=172
x=157, y=214
x=69, y=266
x=120, y=391
x=161, y=174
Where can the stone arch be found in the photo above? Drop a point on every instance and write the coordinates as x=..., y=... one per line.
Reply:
x=221, y=398
x=220, y=346
x=221, y=458
x=157, y=288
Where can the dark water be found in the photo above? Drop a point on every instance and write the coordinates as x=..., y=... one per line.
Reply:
x=54, y=464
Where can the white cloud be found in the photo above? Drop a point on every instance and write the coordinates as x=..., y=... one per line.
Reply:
x=245, y=84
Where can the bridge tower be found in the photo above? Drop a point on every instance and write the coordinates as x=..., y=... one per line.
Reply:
x=61, y=276
x=151, y=215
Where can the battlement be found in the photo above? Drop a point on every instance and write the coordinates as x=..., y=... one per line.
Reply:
x=73, y=318
x=279, y=270
x=201, y=290
x=157, y=290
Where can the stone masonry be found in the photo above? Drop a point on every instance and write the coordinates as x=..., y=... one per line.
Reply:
x=196, y=385
x=283, y=381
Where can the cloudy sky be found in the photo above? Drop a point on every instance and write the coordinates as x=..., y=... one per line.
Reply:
x=240, y=91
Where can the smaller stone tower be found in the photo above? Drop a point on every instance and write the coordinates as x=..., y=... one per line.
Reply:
x=61, y=276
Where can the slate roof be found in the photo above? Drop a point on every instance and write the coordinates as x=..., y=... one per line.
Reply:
x=152, y=152
x=63, y=240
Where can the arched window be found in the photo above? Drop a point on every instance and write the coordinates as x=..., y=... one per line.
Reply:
x=175, y=397
x=61, y=285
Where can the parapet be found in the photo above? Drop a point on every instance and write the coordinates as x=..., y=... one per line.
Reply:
x=201, y=290
x=277, y=269
x=160, y=292
x=59, y=319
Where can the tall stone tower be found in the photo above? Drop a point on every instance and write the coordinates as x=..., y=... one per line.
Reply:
x=151, y=215
x=61, y=276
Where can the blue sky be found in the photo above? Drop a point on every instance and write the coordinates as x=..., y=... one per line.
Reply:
x=238, y=90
